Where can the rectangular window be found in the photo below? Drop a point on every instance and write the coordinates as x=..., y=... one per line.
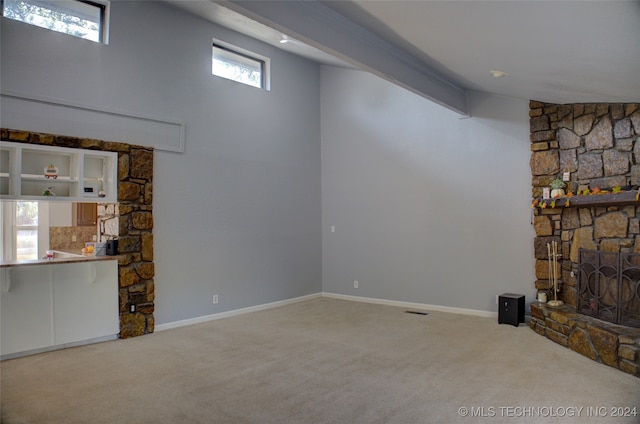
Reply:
x=26, y=230
x=240, y=65
x=80, y=18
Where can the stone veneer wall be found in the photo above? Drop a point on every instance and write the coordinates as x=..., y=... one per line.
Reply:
x=135, y=194
x=600, y=145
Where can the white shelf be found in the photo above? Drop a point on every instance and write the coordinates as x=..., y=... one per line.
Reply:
x=59, y=179
x=82, y=174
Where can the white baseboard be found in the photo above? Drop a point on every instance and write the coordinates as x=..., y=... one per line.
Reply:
x=58, y=347
x=227, y=314
x=421, y=306
x=424, y=306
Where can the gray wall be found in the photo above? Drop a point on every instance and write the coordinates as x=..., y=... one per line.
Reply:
x=427, y=207
x=239, y=213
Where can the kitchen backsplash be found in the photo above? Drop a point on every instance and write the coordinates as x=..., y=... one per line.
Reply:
x=60, y=238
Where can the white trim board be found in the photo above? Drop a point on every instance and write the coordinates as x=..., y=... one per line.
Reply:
x=412, y=305
x=94, y=340
x=227, y=314
x=53, y=116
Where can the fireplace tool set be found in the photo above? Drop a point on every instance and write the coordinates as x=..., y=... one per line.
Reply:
x=552, y=249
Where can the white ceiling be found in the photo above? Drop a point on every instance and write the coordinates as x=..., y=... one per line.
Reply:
x=552, y=51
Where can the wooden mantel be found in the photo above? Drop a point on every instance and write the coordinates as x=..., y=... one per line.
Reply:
x=604, y=199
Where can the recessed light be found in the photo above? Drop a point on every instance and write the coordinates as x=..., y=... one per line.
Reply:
x=498, y=74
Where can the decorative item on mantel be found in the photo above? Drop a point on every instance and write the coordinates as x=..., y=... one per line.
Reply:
x=557, y=188
x=51, y=171
x=616, y=196
x=552, y=249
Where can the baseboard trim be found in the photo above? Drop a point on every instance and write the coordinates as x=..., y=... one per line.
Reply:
x=58, y=347
x=227, y=314
x=425, y=306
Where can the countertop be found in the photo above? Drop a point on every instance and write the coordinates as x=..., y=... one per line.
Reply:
x=82, y=257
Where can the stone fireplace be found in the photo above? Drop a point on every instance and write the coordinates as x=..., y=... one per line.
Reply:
x=598, y=145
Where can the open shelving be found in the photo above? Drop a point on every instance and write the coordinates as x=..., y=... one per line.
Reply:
x=83, y=175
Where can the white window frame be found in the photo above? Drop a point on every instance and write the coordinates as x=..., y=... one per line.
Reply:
x=9, y=229
x=266, y=68
x=104, y=18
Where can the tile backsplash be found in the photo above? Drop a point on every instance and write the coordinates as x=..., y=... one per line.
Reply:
x=60, y=238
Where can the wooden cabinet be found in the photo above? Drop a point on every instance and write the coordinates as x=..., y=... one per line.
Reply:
x=75, y=174
x=86, y=214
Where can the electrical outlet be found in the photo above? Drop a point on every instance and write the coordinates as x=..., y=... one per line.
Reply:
x=566, y=176
x=355, y=284
x=132, y=307
x=74, y=238
x=215, y=299
x=94, y=238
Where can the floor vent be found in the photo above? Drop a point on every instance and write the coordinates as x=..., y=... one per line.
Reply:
x=417, y=312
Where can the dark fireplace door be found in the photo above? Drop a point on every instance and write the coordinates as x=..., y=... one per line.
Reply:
x=609, y=286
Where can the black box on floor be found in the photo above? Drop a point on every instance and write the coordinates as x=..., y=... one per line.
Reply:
x=510, y=309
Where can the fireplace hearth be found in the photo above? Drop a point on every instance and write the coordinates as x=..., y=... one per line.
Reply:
x=617, y=346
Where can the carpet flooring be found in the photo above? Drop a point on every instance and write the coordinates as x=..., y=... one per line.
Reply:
x=321, y=360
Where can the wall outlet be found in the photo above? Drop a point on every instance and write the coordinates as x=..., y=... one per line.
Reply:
x=355, y=284
x=74, y=238
x=132, y=307
x=215, y=299
x=94, y=238
x=566, y=176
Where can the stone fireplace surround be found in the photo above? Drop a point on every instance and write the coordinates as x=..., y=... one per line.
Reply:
x=599, y=144
x=135, y=242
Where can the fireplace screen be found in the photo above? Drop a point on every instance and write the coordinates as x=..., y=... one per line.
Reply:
x=609, y=286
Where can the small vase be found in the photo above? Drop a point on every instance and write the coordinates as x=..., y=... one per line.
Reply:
x=557, y=192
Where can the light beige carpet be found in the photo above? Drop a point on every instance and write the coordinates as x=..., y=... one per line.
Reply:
x=319, y=361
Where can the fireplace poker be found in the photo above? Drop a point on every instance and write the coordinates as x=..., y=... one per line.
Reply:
x=553, y=256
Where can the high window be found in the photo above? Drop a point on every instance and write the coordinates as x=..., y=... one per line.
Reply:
x=240, y=65
x=82, y=19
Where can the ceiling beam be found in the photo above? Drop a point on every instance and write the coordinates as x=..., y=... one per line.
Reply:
x=325, y=29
